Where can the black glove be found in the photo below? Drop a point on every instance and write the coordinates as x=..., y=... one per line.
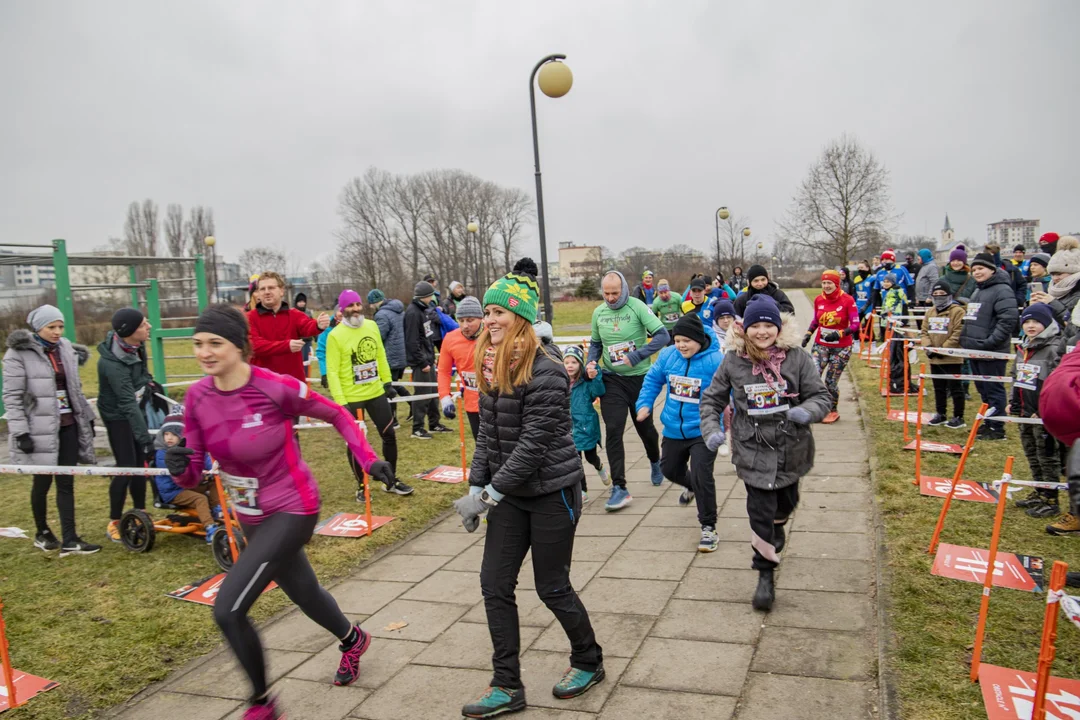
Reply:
x=830, y=336
x=25, y=443
x=806, y=339
x=391, y=391
x=177, y=459
x=148, y=451
x=325, y=384
x=380, y=470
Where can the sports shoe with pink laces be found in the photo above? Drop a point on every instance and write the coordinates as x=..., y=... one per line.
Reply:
x=269, y=711
x=349, y=667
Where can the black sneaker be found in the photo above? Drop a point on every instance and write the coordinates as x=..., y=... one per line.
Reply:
x=421, y=434
x=1032, y=499
x=78, y=547
x=956, y=423
x=46, y=541
x=398, y=488
x=437, y=428
x=1043, y=510
x=938, y=419
x=765, y=594
x=997, y=433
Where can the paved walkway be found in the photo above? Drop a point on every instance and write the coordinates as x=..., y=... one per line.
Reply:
x=680, y=638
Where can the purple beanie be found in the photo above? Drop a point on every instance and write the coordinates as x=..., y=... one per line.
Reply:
x=958, y=254
x=347, y=298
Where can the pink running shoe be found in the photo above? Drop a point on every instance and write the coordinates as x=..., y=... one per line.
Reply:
x=349, y=667
x=269, y=711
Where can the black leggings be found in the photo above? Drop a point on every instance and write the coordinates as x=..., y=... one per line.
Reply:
x=395, y=375
x=274, y=552
x=945, y=388
x=593, y=458
x=381, y=413
x=620, y=395
x=65, y=488
x=128, y=454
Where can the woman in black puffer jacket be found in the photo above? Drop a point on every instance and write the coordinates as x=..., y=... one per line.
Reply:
x=526, y=475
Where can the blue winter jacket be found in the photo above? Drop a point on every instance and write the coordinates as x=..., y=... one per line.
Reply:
x=447, y=323
x=166, y=486
x=586, y=420
x=320, y=347
x=684, y=381
x=864, y=291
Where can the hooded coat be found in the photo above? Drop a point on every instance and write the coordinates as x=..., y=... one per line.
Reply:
x=30, y=399
x=122, y=382
x=991, y=315
x=1036, y=358
x=924, y=281
x=586, y=420
x=390, y=317
x=772, y=290
x=421, y=331
x=769, y=451
x=684, y=380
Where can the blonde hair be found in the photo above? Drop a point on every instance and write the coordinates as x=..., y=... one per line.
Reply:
x=271, y=275
x=514, y=357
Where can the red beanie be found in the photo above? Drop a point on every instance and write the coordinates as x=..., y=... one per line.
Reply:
x=888, y=255
x=1049, y=238
x=832, y=275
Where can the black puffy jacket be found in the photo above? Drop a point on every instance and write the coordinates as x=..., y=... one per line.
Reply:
x=772, y=290
x=991, y=315
x=524, y=447
x=419, y=336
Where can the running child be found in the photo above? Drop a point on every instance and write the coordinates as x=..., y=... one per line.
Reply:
x=723, y=312
x=941, y=329
x=586, y=384
x=203, y=497
x=685, y=371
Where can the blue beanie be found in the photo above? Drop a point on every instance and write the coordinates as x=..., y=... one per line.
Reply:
x=375, y=296
x=762, y=308
x=723, y=308
x=576, y=352
x=925, y=255
x=1039, y=312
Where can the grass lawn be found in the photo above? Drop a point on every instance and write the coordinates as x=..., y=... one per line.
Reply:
x=933, y=619
x=574, y=318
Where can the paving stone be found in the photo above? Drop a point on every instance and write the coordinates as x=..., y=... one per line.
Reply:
x=834, y=501
x=690, y=666
x=381, y=662
x=710, y=584
x=837, y=546
x=853, y=576
x=296, y=631
x=424, y=692
x=304, y=700
x=822, y=610
x=531, y=611
x=839, y=468
x=222, y=676
x=401, y=567
x=641, y=505
x=768, y=697
x=538, y=713
x=739, y=491
x=833, y=521
x=452, y=524
x=646, y=565
x=648, y=704
x=426, y=620
x=644, y=597
x=671, y=497
x=468, y=561
x=733, y=529
x=835, y=484
x=672, y=517
x=608, y=524
x=813, y=653
x=366, y=597
x=734, y=508
x=581, y=572
x=540, y=670
x=467, y=645
x=440, y=544
x=189, y=707
x=730, y=555
x=710, y=621
x=595, y=548
x=665, y=539
x=448, y=586
x=620, y=634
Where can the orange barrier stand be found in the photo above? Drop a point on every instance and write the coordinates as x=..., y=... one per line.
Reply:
x=956, y=481
x=907, y=389
x=226, y=508
x=1049, y=636
x=5, y=661
x=984, y=603
x=367, y=487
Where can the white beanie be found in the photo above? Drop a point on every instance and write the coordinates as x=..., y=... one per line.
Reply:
x=1067, y=257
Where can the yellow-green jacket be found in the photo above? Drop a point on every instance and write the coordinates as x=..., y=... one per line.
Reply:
x=356, y=367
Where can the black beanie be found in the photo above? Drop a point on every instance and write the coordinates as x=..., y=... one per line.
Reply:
x=941, y=284
x=756, y=271
x=126, y=321
x=690, y=326
x=300, y=298
x=986, y=260
x=226, y=321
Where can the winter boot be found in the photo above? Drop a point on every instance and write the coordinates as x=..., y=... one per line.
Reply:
x=765, y=594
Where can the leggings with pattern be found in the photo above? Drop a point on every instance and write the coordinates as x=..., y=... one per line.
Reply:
x=832, y=361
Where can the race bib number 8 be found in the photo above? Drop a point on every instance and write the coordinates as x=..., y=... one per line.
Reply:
x=618, y=351
x=763, y=399
x=684, y=389
x=243, y=493
x=365, y=373
x=939, y=326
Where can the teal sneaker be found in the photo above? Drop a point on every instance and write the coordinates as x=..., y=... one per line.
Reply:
x=576, y=682
x=496, y=701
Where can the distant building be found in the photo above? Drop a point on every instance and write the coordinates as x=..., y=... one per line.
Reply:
x=949, y=243
x=577, y=262
x=34, y=276
x=1011, y=232
x=948, y=237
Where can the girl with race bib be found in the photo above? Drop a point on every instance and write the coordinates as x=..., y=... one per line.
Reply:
x=586, y=385
x=777, y=392
x=243, y=416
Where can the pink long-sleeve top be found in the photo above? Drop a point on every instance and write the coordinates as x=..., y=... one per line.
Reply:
x=249, y=431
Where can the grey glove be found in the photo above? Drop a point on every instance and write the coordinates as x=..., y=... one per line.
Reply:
x=471, y=507
x=449, y=410
x=799, y=415
x=714, y=441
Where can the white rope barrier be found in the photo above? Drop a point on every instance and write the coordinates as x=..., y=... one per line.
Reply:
x=974, y=354
x=1032, y=483
x=1010, y=419
x=79, y=470
x=978, y=378
x=1070, y=605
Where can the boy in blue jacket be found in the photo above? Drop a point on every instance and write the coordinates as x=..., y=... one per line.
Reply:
x=586, y=384
x=685, y=370
x=200, y=498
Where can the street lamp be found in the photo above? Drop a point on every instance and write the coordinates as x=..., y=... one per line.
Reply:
x=473, y=228
x=722, y=213
x=211, y=242
x=555, y=81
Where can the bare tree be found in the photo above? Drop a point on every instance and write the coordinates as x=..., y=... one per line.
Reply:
x=175, y=239
x=257, y=260
x=513, y=209
x=842, y=206
x=732, y=243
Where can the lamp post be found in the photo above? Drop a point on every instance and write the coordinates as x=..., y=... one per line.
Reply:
x=721, y=214
x=555, y=81
x=474, y=228
x=211, y=242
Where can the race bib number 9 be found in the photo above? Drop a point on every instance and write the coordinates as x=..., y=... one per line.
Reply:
x=684, y=389
x=243, y=493
x=365, y=373
x=972, y=311
x=1027, y=376
x=763, y=399
x=939, y=326
x=617, y=352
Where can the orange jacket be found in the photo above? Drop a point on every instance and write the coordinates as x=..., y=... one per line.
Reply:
x=457, y=351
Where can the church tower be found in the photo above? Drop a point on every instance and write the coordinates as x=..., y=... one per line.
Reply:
x=948, y=237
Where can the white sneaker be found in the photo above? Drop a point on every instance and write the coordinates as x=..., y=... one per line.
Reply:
x=604, y=478
x=584, y=496
x=724, y=450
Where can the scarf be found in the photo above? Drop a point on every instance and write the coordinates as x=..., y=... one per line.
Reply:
x=834, y=295
x=1063, y=288
x=769, y=369
x=488, y=363
x=941, y=302
x=49, y=346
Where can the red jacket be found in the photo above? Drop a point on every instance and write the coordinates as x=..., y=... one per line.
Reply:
x=837, y=314
x=270, y=336
x=1059, y=401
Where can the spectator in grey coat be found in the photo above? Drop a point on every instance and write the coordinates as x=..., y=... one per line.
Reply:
x=49, y=420
x=390, y=317
x=928, y=275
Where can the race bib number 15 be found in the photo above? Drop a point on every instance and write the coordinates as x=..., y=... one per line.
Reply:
x=617, y=352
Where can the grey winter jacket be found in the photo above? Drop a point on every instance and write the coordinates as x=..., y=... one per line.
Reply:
x=30, y=399
x=769, y=451
x=924, y=281
x=390, y=317
x=991, y=315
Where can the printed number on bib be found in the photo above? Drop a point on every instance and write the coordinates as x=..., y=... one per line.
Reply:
x=1027, y=376
x=243, y=493
x=365, y=372
x=617, y=352
x=939, y=326
x=762, y=399
x=972, y=311
x=63, y=402
x=468, y=380
x=861, y=294
x=684, y=389
x=428, y=332
x=671, y=317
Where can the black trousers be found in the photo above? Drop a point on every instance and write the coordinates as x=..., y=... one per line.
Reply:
x=395, y=375
x=274, y=552
x=944, y=389
x=65, y=488
x=1043, y=453
x=593, y=458
x=128, y=453
x=381, y=413
x=474, y=423
x=620, y=395
x=992, y=393
x=769, y=511
x=690, y=464
x=546, y=524
x=429, y=407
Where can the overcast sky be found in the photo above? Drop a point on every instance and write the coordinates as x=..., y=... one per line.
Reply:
x=263, y=110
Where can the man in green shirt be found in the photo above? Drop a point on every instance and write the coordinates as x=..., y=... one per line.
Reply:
x=621, y=330
x=666, y=306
